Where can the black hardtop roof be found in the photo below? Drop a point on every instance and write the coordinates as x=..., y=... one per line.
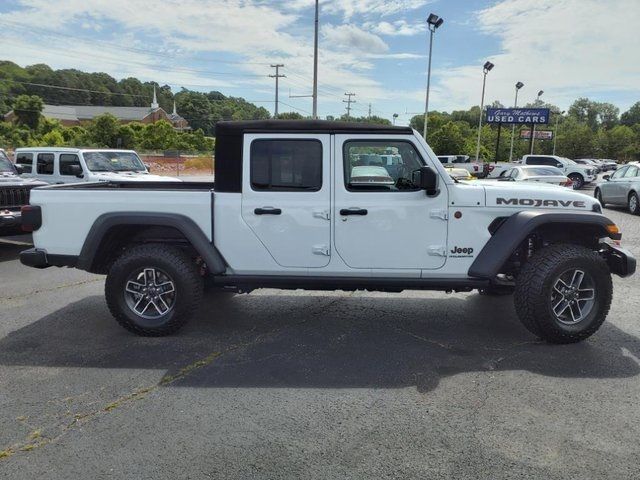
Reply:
x=310, y=126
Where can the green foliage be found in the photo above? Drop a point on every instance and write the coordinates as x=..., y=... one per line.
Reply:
x=631, y=116
x=374, y=119
x=289, y=116
x=27, y=109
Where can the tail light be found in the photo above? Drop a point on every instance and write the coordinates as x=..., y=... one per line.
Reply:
x=491, y=168
x=475, y=168
x=31, y=217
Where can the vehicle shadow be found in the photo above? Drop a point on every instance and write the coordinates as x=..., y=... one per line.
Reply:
x=321, y=341
x=9, y=252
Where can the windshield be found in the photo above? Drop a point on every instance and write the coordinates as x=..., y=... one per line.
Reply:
x=569, y=161
x=5, y=164
x=108, y=161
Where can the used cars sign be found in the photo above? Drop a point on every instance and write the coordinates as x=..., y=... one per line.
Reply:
x=518, y=115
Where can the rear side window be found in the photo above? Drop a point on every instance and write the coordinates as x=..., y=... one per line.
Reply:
x=541, y=161
x=66, y=161
x=45, y=163
x=26, y=160
x=286, y=165
x=631, y=172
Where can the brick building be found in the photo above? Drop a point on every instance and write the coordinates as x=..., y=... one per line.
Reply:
x=70, y=115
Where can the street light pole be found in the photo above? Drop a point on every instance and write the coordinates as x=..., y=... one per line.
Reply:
x=488, y=66
x=519, y=85
x=315, y=67
x=555, y=134
x=533, y=130
x=433, y=22
x=395, y=115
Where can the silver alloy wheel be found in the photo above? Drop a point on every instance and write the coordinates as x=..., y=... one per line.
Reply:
x=633, y=203
x=573, y=296
x=150, y=293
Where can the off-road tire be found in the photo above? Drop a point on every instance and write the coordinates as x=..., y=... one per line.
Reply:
x=532, y=297
x=179, y=267
x=633, y=204
x=578, y=181
x=598, y=196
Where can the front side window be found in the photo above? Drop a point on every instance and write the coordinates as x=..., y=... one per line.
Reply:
x=365, y=168
x=5, y=164
x=45, y=163
x=619, y=173
x=286, y=165
x=67, y=160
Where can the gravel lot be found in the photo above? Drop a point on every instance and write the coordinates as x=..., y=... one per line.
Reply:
x=320, y=385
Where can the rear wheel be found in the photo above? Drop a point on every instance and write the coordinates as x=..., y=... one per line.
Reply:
x=598, y=195
x=153, y=290
x=634, y=203
x=563, y=293
x=578, y=181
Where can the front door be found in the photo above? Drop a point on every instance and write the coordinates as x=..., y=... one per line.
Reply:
x=286, y=194
x=381, y=219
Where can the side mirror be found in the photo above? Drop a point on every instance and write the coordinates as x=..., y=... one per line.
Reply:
x=19, y=169
x=559, y=165
x=607, y=177
x=76, y=170
x=429, y=180
x=147, y=166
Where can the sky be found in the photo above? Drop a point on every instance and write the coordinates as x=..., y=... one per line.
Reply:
x=377, y=49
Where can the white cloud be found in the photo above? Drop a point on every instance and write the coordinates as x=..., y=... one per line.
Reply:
x=396, y=28
x=350, y=37
x=554, y=45
x=372, y=8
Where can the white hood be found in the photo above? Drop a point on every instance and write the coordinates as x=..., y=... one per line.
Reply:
x=131, y=177
x=536, y=195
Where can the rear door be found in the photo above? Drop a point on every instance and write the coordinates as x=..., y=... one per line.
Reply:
x=286, y=194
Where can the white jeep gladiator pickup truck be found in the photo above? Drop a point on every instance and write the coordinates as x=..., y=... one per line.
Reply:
x=286, y=212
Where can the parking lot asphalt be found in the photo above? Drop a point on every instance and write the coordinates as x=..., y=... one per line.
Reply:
x=311, y=384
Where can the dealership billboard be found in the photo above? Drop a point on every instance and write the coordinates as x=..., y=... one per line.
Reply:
x=518, y=116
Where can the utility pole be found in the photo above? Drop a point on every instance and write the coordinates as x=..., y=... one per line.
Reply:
x=369, y=111
x=349, y=102
x=277, y=76
x=315, y=67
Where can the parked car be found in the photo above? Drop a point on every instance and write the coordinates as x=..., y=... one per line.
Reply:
x=476, y=169
x=285, y=214
x=607, y=164
x=525, y=173
x=579, y=174
x=621, y=188
x=595, y=164
x=459, y=173
x=14, y=194
x=73, y=165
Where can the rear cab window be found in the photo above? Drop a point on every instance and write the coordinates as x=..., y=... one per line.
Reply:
x=286, y=165
x=25, y=159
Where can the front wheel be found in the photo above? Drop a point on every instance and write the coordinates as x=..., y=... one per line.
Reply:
x=634, y=204
x=578, y=181
x=563, y=293
x=153, y=290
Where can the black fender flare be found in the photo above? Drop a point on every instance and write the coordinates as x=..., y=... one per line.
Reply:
x=192, y=232
x=516, y=228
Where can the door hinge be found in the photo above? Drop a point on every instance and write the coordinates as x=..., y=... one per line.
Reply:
x=324, y=214
x=437, y=250
x=321, y=250
x=441, y=214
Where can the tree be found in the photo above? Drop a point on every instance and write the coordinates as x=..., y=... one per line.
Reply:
x=289, y=116
x=631, y=116
x=447, y=140
x=104, y=130
x=28, y=109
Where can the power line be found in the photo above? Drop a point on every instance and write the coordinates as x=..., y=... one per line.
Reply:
x=277, y=76
x=349, y=102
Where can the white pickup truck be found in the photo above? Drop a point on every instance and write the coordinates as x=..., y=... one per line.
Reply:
x=286, y=212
